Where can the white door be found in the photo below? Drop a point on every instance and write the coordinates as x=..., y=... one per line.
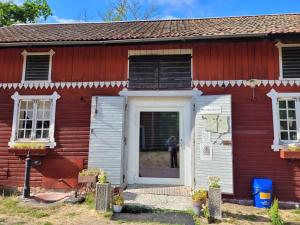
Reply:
x=152, y=124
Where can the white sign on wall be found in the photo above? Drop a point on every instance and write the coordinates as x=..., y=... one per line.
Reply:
x=211, y=110
x=206, y=151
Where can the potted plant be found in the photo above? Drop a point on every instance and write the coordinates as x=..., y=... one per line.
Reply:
x=89, y=175
x=103, y=191
x=199, y=200
x=291, y=151
x=214, y=197
x=31, y=148
x=118, y=203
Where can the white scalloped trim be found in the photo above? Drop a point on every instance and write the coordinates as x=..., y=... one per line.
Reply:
x=57, y=85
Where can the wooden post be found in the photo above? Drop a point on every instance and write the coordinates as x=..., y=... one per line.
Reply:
x=103, y=192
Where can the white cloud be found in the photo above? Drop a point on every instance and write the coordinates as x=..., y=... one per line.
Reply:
x=63, y=20
x=169, y=17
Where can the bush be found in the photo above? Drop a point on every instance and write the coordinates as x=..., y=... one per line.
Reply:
x=200, y=195
x=274, y=214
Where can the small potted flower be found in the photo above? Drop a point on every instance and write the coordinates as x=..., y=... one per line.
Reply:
x=199, y=200
x=118, y=203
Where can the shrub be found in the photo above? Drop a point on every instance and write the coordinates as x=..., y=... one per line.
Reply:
x=200, y=195
x=214, y=182
x=118, y=200
x=274, y=214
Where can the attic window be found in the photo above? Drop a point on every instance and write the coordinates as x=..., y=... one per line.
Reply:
x=37, y=66
x=289, y=60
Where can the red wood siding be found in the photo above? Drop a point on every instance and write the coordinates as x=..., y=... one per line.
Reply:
x=211, y=61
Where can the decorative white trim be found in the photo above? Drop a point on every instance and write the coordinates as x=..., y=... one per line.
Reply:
x=274, y=95
x=26, y=53
x=280, y=45
x=176, y=93
x=16, y=97
x=187, y=51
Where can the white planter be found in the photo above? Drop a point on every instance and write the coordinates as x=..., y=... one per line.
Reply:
x=117, y=208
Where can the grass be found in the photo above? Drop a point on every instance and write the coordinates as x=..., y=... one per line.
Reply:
x=10, y=205
x=90, y=200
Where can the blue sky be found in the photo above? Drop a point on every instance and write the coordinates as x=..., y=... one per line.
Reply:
x=70, y=10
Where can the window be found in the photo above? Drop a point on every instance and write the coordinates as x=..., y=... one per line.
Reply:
x=34, y=118
x=286, y=118
x=37, y=66
x=160, y=71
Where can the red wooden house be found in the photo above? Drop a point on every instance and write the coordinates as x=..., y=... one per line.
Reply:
x=113, y=95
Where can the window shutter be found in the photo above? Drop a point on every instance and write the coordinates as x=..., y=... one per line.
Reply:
x=37, y=68
x=218, y=139
x=107, y=136
x=291, y=62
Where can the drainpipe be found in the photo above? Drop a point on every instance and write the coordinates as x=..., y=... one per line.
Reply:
x=26, y=189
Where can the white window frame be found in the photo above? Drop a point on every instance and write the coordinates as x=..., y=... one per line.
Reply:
x=17, y=97
x=280, y=45
x=274, y=95
x=25, y=54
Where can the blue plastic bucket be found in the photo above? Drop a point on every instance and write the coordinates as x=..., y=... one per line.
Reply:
x=262, y=190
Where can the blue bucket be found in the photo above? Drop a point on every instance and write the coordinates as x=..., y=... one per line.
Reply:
x=262, y=190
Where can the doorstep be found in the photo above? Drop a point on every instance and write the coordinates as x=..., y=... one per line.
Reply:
x=171, y=190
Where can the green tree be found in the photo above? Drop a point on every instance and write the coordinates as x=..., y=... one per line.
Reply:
x=123, y=10
x=28, y=12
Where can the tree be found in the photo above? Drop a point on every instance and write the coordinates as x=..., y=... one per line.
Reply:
x=28, y=12
x=123, y=10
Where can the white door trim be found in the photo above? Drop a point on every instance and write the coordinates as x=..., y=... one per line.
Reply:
x=138, y=104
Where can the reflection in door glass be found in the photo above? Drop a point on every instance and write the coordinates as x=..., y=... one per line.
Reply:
x=159, y=145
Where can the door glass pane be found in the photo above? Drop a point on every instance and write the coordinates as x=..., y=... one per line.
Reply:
x=159, y=145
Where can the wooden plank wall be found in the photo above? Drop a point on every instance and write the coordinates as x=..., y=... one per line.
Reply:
x=211, y=61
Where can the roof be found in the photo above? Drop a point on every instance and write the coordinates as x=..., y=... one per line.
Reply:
x=152, y=30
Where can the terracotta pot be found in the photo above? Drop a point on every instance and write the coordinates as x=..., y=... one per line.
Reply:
x=286, y=154
x=32, y=152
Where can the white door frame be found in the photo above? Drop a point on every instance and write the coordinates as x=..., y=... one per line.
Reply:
x=159, y=104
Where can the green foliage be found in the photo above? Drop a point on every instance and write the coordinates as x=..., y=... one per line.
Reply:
x=90, y=172
x=29, y=146
x=11, y=205
x=214, y=182
x=48, y=223
x=123, y=10
x=200, y=195
x=102, y=178
x=274, y=214
x=205, y=211
x=90, y=200
x=29, y=12
x=118, y=200
x=136, y=209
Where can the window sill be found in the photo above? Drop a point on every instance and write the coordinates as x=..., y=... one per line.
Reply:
x=288, y=154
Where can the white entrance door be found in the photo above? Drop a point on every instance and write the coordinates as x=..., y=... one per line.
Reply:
x=151, y=123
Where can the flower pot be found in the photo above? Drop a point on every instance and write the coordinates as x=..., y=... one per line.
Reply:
x=287, y=154
x=117, y=208
x=197, y=206
x=87, y=179
x=32, y=152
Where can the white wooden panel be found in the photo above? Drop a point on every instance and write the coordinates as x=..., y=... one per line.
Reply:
x=221, y=162
x=107, y=136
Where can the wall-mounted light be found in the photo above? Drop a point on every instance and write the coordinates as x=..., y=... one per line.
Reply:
x=252, y=83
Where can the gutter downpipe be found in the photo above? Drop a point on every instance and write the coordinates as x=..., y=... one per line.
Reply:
x=143, y=40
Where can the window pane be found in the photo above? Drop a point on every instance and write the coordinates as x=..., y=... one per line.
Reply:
x=293, y=135
x=29, y=124
x=39, y=114
x=283, y=125
x=292, y=114
x=291, y=104
x=284, y=136
x=27, y=133
x=38, y=134
x=22, y=124
x=23, y=104
x=292, y=125
x=21, y=134
x=47, y=115
x=282, y=114
x=29, y=114
x=46, y=134
x=46, y=124
x=282, y=104
x=39, y=124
